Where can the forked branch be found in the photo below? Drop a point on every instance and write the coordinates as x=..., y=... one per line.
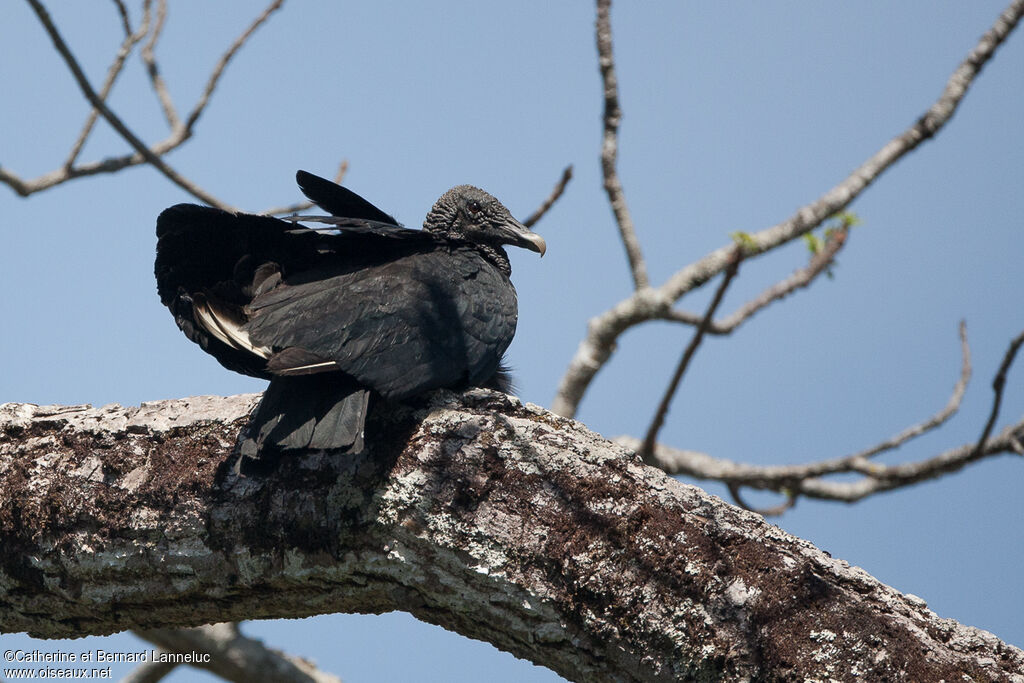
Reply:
x=143, y=153
x=810, y=480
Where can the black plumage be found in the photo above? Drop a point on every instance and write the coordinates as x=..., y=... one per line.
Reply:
x=338, y=315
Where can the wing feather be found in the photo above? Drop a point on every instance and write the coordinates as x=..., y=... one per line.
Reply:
x=420, y=322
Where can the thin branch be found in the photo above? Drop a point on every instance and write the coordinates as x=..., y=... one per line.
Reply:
x=303, y=206
x=113, y=119
x=774, y=511
x=222, y=63
x=801, y=278
x=646, y=304
x=131, y=39
x=807, y=480
x=998, y=384
x=703, y=466
x=610, y=144
x=936, y=420
x=901, y=476
x=179, y=133
x=16, y=183
x=148, y=55
x=859, y=462
x=235, y=657
x=122, y=12
x=798, y=480
x=647, y=449
x=25, y=188
x=552, y=198
x=839, y=197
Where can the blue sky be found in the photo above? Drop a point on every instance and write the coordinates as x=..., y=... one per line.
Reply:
x=735, y=114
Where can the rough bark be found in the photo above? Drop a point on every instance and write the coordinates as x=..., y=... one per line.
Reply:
x=496, y=520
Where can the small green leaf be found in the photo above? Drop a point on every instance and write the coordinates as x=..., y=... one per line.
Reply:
x=813, y=242
x=744, y=240
x=848, y=218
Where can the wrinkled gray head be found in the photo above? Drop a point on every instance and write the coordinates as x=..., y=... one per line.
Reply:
x=468, y=213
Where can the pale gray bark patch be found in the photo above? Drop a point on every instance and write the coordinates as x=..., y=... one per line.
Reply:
x=496, y=520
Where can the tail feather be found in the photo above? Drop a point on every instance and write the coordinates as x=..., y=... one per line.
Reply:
x=343, y=426
x=314, y=411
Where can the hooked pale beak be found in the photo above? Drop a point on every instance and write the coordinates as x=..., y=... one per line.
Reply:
x=517, y=234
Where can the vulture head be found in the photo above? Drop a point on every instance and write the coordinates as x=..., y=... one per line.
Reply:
x=470, y=214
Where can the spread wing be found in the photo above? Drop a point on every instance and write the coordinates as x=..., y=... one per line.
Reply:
x=428, y=319
x=210, y=264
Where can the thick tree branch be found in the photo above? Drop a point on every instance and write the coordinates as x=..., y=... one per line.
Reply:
x=655, y=304
x=500, y=521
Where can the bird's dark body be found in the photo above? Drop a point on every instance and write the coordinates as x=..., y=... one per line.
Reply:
x=334, y=317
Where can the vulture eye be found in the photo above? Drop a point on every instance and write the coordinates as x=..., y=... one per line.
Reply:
x=473, y=207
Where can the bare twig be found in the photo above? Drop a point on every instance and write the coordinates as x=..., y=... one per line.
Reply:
x=801, y=480
x=179, y=133
x=998, y=383
x=774, y=511
x=803, y=277
x=647, y=449
x=222, y=63
x=780, y=476
x=122, y=12
x=900, y=476
x=807, y=480
x=552, y=198
x=859, y=462
x=610, y=146
x=235, y=657
x=130, y=40
x=148, y=55
x=655, y=304
x=90, y=94
x=936, y=420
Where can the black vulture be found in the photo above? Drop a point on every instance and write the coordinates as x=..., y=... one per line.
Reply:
x=338, y=315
